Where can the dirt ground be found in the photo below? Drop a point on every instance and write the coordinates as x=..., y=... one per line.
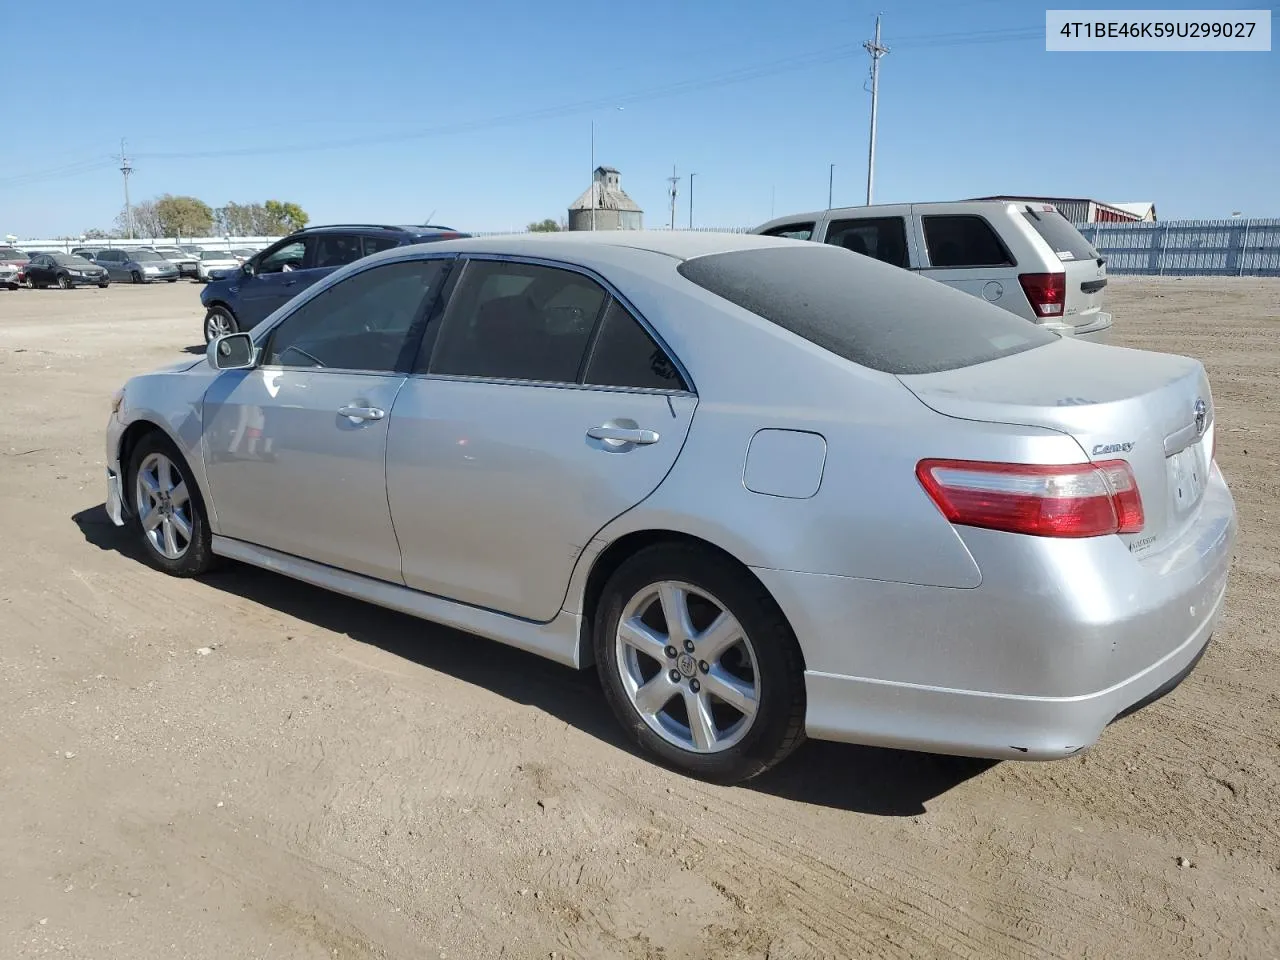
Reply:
x=336, y=781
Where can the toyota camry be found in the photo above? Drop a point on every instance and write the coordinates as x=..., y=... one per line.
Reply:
x=767, y=488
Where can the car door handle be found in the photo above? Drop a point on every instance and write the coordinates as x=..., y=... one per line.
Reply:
x=623, y=435
x=362, y=413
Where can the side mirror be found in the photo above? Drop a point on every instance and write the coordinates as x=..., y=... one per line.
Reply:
x=235, y=351
x=247, y=268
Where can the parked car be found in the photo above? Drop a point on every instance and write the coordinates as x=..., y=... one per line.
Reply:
x=65, y=270
x=13, y=262
x=272, y=277
x=243, y=253
x=185, y=262
x=213, y=263
x=900, y=516
x=136, y=265
x=1024, y=257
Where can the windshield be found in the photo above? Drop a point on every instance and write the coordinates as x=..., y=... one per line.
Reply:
x=10, y=253
x=1064, y=240
x=866, y=311
x=69, y=260
x=168, y=252
x=141, y=255
x=215, y=255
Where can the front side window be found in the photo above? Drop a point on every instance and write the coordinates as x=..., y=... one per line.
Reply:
x=624, y=355
x=518, y=321
x=366, y=322
x=792, y=231
x=963, y=241
x=290, y=256
x=883, y=238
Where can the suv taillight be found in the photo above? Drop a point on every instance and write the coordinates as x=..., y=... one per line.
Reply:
x=1046, y=291
x=1070, y=500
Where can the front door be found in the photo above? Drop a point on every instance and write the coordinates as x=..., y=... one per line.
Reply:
x=544, y=411
x=279, y=274
x=295, y=449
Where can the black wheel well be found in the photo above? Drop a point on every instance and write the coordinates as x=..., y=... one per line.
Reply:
x=622, y=549
x=129, y=441
x=222, y=305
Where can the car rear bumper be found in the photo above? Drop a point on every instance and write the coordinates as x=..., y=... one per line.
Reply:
x=1059, y=639
x=1097, y=329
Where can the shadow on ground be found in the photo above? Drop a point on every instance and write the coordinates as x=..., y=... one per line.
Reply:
x=198, y=349
x=860, y=779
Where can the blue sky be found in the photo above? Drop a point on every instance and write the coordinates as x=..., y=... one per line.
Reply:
x=479, y=114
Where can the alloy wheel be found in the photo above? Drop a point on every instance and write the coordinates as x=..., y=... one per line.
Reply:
x=217, y=325
x=162, y=501
x=688, y=667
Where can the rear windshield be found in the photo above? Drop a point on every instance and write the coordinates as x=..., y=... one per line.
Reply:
x=140, y=255
x=1064, y=239
x=9, y=253
x=869, y=312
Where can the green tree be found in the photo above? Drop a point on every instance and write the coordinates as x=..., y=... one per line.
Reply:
x=183, y=216
x=284, y=216
x=544, y=226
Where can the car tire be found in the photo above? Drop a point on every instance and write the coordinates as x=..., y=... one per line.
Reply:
x=218, y=322
x=137, y=277
x=171, y=279
x=162, y=490
x=764, y=662
x=64, y=283
x=102, y=286
x=12, y=286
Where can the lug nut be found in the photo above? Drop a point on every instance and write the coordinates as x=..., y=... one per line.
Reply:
x=704, y=666
x=694, y=685
x=688, y=645
x=671, y=653
x=675, y=676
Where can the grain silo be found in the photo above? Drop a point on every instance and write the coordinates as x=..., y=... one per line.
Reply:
x=605, y=206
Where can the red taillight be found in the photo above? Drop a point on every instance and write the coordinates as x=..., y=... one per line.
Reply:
x=1070, y=500
x=1046, y=291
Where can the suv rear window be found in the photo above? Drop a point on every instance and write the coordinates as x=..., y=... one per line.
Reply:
x=1063, y=239
x=963, y=241
x=873, y=314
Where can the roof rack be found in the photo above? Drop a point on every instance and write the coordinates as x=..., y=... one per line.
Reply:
x=337, y=226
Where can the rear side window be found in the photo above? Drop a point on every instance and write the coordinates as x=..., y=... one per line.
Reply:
x=884, y=238
x=1064, y=240
x=517, y=321
x=963, y=241
x=888, y=320
x=625, y=355
x=337, y=250
x=792, y=231
x=378, y=244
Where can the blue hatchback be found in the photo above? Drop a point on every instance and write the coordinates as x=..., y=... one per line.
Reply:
x=243, y=298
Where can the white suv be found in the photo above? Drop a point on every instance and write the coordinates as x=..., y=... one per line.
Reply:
x=1024, y=257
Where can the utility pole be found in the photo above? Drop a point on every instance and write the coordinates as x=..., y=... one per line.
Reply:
x=593, y=174
x=126, y=169
x=675, y=183
x=877, y=50
x=691, y=176
x=831, y=179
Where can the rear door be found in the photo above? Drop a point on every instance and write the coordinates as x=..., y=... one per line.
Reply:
x=964, y=251
x=545, y=410
x=1085, y=268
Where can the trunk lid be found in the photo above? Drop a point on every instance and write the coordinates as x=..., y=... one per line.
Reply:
x=1153, y=410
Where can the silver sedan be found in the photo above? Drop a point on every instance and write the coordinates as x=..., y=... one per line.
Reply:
x=769, y=488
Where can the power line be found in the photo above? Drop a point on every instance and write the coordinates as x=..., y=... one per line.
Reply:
x=740, y=75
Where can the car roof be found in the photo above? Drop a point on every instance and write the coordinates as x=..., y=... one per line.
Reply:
x=871, y=210
x=381, y=228
x=678, y=245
